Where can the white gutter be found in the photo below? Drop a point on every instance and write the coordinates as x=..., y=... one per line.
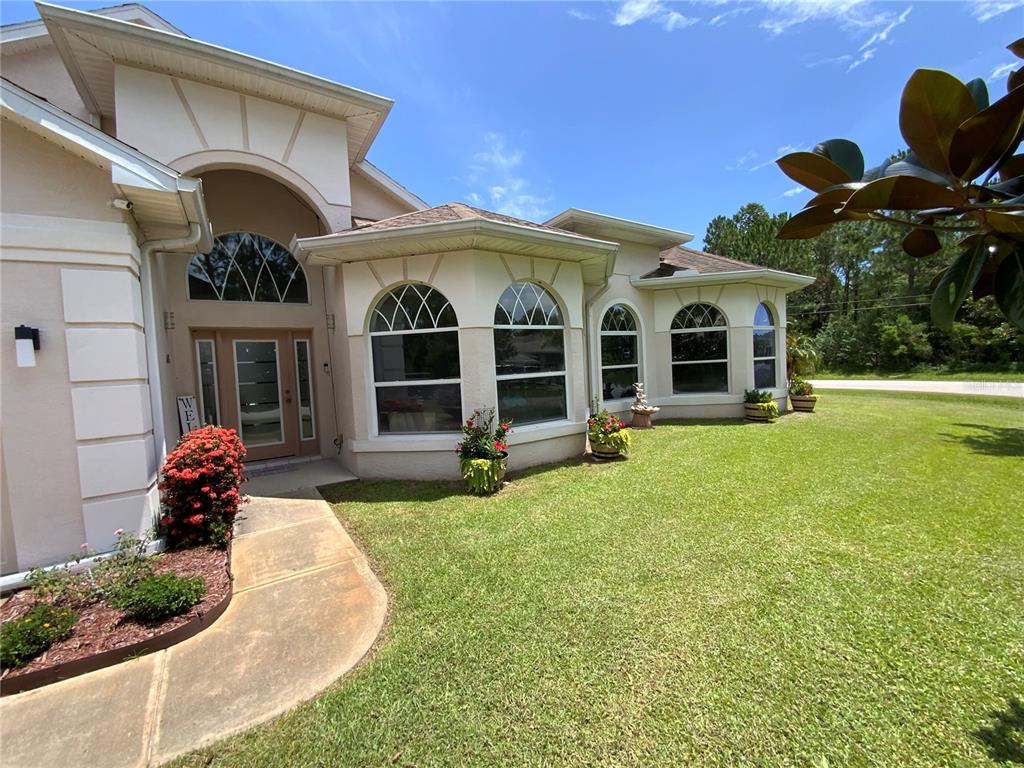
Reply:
x=715, y=278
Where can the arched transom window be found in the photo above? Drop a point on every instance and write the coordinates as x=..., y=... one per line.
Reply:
x=414, y=339
x=700, y=350
x=765, y=348
x=244, y=266
x=620, y=353
x=529, y=354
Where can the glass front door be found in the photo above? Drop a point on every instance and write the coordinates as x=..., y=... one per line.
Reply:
x=260, y=383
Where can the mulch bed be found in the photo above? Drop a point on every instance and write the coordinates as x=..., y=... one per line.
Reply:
x=101, y=628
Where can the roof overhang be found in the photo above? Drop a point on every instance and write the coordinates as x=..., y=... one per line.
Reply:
x=164, y=203
x=596, y=257
x=613, y=228
x=29, y=35
x=775, y=278
x=90, y=44
x=381, y=179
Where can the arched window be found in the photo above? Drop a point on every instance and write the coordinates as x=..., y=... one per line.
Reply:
x=620, y=353
x=764, y=348
x=700, y=350
x=529, y=354
x=244, y=266
x=414, y=339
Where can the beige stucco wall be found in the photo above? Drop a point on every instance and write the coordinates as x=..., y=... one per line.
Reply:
x=192, y=126
x=238, y=200
x=369, y=201
x=473, y=282
x=79, y=460
x=42, y=72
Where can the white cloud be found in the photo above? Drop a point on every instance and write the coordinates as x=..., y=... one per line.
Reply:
x=794, y=192
x=720, y=19
x=1003, y=70
x=495, y=171
x=579, y=15
x=865, y=57
x=786, y=14
x=632, y=11
x=984, y=10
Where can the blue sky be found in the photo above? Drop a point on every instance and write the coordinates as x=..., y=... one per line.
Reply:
x=668, y=113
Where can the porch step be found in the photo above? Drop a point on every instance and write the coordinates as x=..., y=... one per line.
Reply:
x=270, y=466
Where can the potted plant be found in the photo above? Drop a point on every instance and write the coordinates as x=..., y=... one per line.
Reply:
x=801, y=395
x=760, y=405
x=608, y=435
x=483, y=452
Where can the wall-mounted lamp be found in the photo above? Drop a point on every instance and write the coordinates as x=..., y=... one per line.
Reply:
x=26, y=342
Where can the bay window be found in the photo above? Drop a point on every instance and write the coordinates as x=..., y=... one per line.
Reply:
x=620, y=353
x=700, y=350
x=764, y=348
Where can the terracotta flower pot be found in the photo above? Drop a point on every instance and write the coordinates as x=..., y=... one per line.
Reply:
x=803, y=403
x=754, y=413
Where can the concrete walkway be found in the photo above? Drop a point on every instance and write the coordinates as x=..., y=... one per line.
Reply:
x=990, y=388
x=306, y=609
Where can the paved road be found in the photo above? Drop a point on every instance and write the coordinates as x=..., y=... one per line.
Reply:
x=996, y=388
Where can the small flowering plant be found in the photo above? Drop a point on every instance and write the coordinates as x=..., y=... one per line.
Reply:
x=606, y=430
x=199, y=487
x=482, y=440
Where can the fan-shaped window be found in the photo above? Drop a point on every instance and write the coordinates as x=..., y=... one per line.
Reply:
x=414, y=340
x=529, y=354
x=620, y=353
x=700, y=350
x=764, y=347
x=244, y=266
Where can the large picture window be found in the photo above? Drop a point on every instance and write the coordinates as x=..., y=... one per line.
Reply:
x=620, y=353
x=414, y=340
x=529, y=354
x=244, y=266
x=765, y=350
x=700, y=350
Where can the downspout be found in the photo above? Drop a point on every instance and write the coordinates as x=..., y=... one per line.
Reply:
x=146, y=251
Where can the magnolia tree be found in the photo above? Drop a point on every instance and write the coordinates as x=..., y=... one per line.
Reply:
x=962, y=175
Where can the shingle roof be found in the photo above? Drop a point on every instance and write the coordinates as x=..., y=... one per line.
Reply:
x=680, y=257
x=451, y=212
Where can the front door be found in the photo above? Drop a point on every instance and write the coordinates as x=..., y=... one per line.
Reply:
x=260, y=383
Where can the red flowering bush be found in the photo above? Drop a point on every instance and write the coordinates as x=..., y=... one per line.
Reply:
x=482, y=439
x=199, y=487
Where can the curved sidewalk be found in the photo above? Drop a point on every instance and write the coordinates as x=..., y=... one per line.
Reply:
x=306, y=608
x=990, y=388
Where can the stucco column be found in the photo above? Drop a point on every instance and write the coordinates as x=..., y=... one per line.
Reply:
x=741, y=358
x=476, y=352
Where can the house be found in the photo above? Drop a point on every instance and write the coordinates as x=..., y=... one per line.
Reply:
x=182, y=220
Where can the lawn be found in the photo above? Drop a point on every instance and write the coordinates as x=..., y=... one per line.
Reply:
x=841, y=588
x=929, y=375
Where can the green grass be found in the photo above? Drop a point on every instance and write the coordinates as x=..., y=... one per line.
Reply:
x=842, y=589
x=931, y=375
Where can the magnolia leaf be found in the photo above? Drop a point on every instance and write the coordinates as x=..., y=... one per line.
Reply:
x=816, y=172
x=955, y=284
x=845, y=154
x=835, y=195
x=1009, y=287
x=810, y=222
x=982, y=140
x=970, y=241
x=979, y=91
x=933, y=106
x=1010, y=188
x=1017, y=48
x=911, y=166
x=1008, y=223
x=921, y=242
x=1012, y=167
x=902, y=193
x=875, y=173
x=1015, y=79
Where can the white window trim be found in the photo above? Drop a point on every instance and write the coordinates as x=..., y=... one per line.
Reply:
x=238, y=393
x=638, y=365
x=775, y=342
x=727, y=359
x=232, y=302
x=199, y=376
x=538, y=375
x=298, y=391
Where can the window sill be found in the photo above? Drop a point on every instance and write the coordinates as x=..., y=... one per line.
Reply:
x=547, y=430
x=433, y=441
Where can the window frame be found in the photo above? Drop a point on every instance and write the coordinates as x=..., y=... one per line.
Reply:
x=375, y=385
x=298, y=389
x=563, y=373
x=636, y=332
x=774, y=328
x=199, y=378
x=231, y=302
x=703, y=329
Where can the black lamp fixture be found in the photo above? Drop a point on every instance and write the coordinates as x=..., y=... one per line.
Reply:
x=26, y=342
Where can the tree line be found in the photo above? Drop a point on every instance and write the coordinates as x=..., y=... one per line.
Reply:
x=868, y=309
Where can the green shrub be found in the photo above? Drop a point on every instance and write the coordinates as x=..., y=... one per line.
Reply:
x=23, y=638
x=159, y=597
x=758, y=396
x=801, y=388
x=62, y=585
